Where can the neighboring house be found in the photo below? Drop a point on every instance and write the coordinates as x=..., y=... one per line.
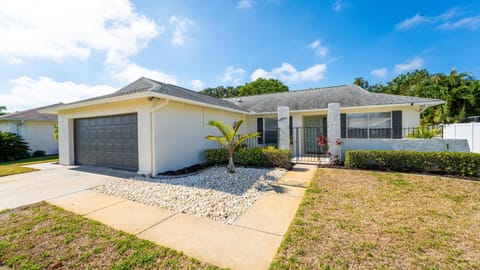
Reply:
x=152, y=127
x=35, y=128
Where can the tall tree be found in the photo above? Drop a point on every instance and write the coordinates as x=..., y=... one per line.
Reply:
x=262, y=86
x=360, y=81
x=459, y=90
x=257, y=87
x=3, y=110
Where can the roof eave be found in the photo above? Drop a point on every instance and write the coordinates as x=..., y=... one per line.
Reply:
x=56, y=109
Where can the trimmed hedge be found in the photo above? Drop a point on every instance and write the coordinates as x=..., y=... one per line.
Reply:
x=452, y=163
x=216, y=156
x=252, y=157
x=12, y=147
x=39, y=153
x=278, y=157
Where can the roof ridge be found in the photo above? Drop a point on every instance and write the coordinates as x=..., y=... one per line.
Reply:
x=33, y=109
x=292, y=91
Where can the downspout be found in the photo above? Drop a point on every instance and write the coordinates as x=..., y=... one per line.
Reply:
x=152, y=132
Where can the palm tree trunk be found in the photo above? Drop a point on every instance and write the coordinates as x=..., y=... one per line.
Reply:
x=231, y=165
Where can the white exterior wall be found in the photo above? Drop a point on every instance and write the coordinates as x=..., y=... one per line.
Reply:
x=8, y=126
x=140, y=106
x=38, y=134
x=180, y=131
x=468, y=131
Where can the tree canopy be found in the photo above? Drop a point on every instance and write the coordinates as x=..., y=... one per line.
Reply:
x=459, y=90
x=3, y=110
x=257, y=87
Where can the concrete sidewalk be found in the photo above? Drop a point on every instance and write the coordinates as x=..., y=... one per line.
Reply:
x=250, y=242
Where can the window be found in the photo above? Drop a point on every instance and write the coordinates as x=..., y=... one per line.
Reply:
x=270, y=129
x=369, y=125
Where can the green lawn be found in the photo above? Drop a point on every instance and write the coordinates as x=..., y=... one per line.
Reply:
x=374, y=220
x=42, y=236
x=15, y=167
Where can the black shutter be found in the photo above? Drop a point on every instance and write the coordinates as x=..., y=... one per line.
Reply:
x=324, y=131
x=397, y=124
x=290, y=126
x=260, y=130
x=343, y=125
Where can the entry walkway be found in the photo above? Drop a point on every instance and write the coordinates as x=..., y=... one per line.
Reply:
x=250, y=242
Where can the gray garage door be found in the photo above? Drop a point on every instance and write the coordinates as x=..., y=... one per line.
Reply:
x=110, y=141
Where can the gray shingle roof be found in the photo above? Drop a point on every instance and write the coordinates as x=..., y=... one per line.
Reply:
x=32, y=115
x=148, y=85
x=318, y=98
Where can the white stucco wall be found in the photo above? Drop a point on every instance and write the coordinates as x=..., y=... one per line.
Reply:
x=7, y=126
x=38, y=134
x=180, y=131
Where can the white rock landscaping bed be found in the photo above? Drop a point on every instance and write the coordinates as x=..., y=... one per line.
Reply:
x=213, y=193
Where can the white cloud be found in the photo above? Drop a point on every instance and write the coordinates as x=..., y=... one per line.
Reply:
x=244, y=4
x=132, y=71
x=319, y=49
x=233, y=75
x=379, y=73
x=197, y=84
x=181, y=27
x=413, y=64
x=449, y=20
x=471, y=23
x=288, y=73
x=412, y=22
x=122, y=69
x=337, y=6
x=26, y=93
x=57, y=29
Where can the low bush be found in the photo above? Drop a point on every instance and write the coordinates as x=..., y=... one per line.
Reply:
x=251, y=157
x=216, y=156
x=38, y=153
x=452, y=163
x=12, y=147
x=278, y=157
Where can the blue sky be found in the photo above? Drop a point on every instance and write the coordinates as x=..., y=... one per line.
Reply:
x=53, y=51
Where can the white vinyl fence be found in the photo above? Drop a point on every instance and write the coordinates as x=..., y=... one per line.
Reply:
x=468, y=131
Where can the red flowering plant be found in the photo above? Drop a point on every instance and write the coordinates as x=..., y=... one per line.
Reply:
x=334, y=158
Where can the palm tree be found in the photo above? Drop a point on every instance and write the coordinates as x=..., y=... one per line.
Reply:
x=230, y=140
x=3, y=110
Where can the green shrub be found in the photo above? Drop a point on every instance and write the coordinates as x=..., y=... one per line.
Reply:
x=252, y=157
x=38, y=153
x=12, y=147
x=278, y=157
x=216, y=156
x=452, y=163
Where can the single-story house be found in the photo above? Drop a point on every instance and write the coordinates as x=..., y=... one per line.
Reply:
x=34, y=127
x=152, y=127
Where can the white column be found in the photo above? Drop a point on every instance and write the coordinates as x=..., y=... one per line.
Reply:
x=283, y=114
x=65, y=140
x=145, y=141
x=333, y=122
x=334, y=128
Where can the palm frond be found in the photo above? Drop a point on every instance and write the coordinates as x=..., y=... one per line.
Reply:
x=226, y=130
x=236, y=126
x=245, y=137
x=219, y=139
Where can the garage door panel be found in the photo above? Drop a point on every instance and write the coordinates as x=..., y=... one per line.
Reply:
x=107, y=141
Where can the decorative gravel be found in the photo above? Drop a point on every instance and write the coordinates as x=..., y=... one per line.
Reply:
x=213, y=193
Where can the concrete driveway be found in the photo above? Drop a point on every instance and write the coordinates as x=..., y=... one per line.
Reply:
x=52, y=181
